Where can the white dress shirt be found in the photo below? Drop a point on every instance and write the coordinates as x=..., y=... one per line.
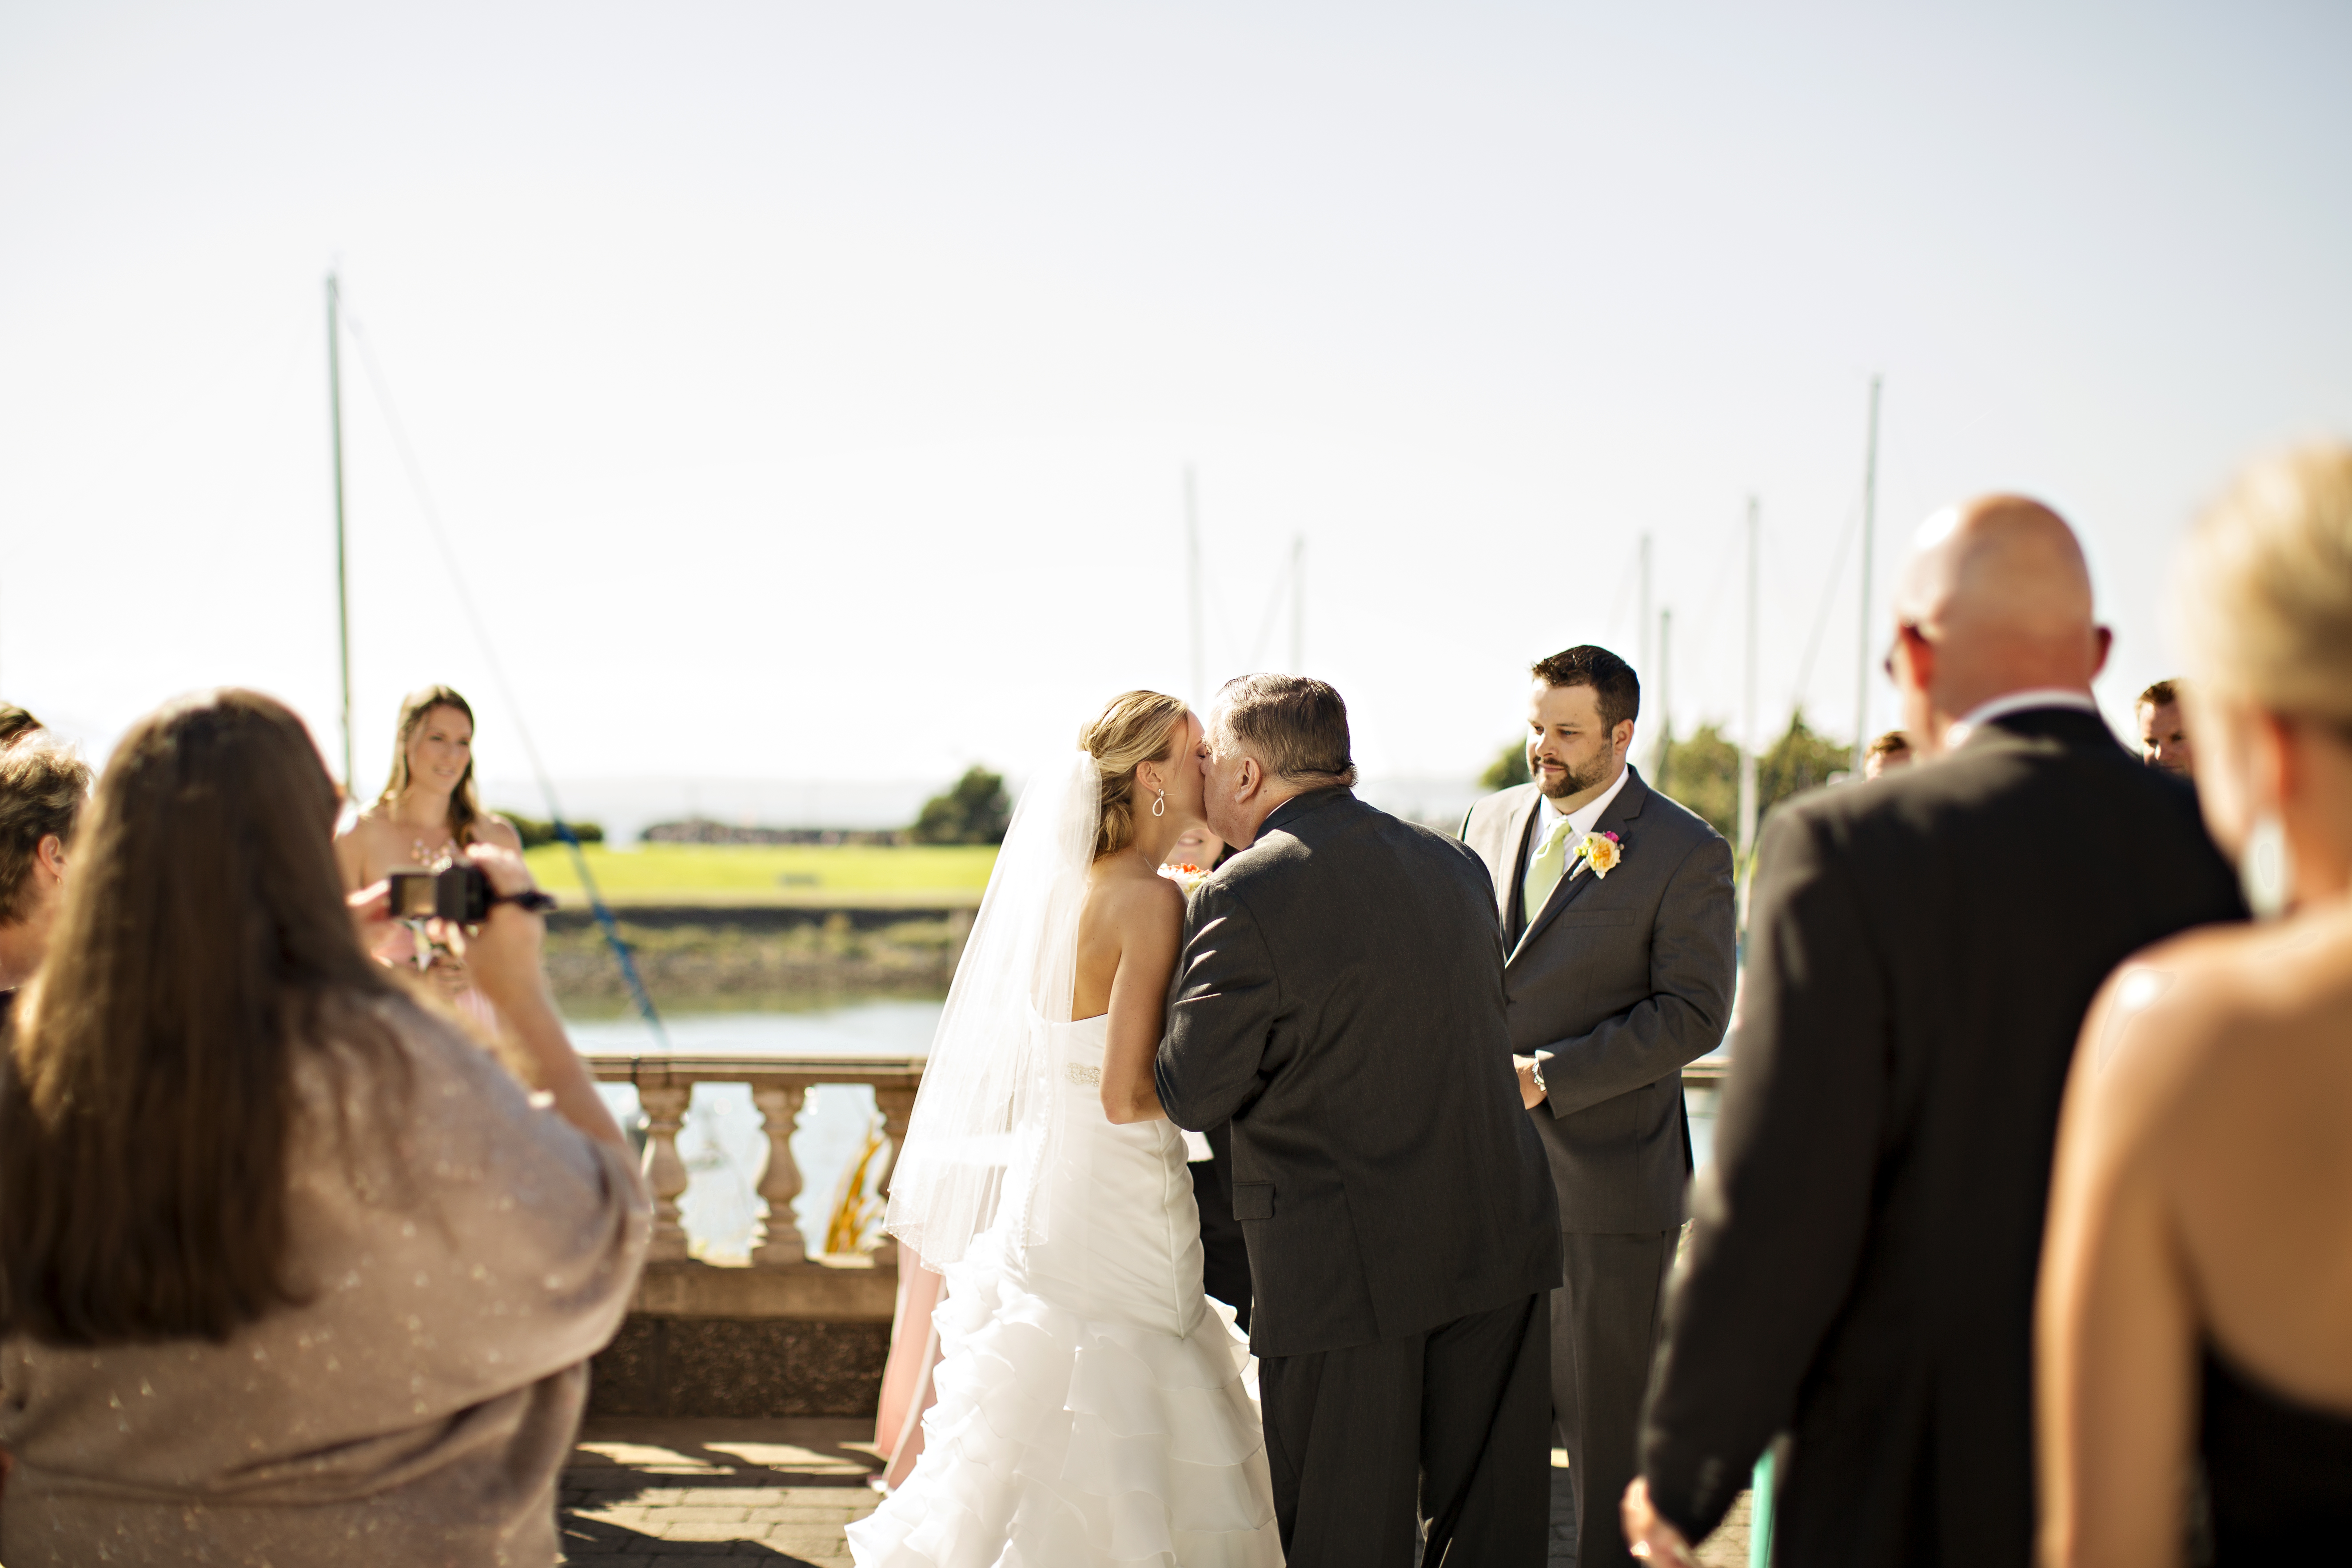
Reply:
x=1580, y=823
x=2016, y=703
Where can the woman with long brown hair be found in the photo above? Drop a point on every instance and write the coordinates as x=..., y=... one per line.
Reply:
x=290, y=1271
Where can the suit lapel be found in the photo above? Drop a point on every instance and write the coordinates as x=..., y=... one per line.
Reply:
x=1617, y=818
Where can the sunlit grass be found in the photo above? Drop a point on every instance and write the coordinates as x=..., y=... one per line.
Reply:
x=783, y=870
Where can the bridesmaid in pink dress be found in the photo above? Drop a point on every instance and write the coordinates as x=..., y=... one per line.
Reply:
x=427, y=815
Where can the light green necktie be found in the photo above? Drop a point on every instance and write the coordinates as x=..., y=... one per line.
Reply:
x=1543, y=871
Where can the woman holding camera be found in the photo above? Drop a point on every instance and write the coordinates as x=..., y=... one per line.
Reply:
x=427, y=818
x=290, y=1271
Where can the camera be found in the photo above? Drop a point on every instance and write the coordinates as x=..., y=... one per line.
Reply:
x=460, y=893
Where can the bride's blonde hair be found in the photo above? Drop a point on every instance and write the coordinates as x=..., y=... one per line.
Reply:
x=2266, y=585
x=1138, y=727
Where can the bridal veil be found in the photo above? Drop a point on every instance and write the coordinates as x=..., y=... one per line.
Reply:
x=983, y=1124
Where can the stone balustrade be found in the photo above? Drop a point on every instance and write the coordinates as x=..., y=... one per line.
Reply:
x=665, y=1084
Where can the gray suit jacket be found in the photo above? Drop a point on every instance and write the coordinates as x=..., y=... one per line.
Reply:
x=1624, y=980
x=1340, y=998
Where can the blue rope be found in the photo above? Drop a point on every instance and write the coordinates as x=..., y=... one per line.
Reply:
x=612, y=930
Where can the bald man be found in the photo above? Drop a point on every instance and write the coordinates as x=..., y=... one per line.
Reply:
x=1921, y=951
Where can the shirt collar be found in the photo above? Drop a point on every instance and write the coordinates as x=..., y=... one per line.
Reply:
x=2009, y=702
x=1580, y=820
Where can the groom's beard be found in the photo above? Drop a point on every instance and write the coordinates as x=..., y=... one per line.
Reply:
x=1571, y=781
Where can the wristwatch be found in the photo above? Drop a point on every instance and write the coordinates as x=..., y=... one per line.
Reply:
x=1537, y=1074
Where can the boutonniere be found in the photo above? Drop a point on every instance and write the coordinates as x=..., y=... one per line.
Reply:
x=1601, y=851
x=1188, y=877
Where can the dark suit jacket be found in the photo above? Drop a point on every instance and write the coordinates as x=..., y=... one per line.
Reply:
x=1921, y=951
x=1340, y=998
x=1624, y=980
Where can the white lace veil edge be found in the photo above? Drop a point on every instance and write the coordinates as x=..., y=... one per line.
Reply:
x=983, y=1122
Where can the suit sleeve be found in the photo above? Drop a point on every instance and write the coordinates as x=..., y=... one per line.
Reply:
x=1782, y=1212
x=1221, y=1015
x=1693, y=961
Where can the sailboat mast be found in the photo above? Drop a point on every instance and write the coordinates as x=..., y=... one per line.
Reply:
x=1747, y=723
x=1192, y=586
x=1298, y=604
x=1644, y=669
x=342, y=557
x=1869, y=537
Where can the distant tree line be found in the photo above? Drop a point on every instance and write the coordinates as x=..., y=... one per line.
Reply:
x=535, y=831
x=709, y=830
x=976, y=810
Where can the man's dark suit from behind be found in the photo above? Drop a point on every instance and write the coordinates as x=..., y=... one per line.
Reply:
x=1921, y=951
x=1340, y=998
x=1624, y=980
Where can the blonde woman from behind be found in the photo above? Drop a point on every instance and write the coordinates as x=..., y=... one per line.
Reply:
x=2196, y=1272
x=1092, y=1403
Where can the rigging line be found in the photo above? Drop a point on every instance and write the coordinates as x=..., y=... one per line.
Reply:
x=1625, y=586
x=1272, y=610
x=1846, y=536
x=1709, y=625
x=426, y=504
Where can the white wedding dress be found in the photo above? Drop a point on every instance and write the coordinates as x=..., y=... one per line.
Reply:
x=1095, y=1407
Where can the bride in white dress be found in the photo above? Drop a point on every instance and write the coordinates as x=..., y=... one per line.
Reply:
x=1093, y=1404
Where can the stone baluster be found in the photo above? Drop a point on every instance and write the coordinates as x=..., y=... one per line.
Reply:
x=780, y=1107
x=896, y=1104
x=665, y=1172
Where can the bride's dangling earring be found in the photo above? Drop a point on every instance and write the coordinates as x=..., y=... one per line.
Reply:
x=1159, y=803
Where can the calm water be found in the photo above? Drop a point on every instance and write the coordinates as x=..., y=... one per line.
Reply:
x=722, y=1141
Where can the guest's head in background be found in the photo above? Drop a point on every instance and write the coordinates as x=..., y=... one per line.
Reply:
x=1995, y=601
x=42, y=787
x=1196, y=846
x=428, y=812
x=2163, y=729
x=15, y=722
x=1581, y=713
x=2265, y=600
x=1892, y=750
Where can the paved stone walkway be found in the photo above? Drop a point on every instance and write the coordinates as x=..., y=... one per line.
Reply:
x=643, y=1492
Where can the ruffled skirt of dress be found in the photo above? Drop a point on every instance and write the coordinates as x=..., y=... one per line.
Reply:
x=1059, y=1441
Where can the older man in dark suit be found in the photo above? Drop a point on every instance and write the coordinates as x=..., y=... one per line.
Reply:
x=1922, y=949
x=1340, y=998
x=1617, y=904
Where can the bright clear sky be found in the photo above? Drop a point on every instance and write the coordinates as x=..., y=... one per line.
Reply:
x=809, y=387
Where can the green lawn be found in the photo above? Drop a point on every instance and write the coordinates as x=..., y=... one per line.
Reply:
x=794, y=873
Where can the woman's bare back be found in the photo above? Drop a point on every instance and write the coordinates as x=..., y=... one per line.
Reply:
x=1128, y=933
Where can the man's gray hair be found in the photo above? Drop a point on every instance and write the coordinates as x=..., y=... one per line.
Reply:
x=1295, y=726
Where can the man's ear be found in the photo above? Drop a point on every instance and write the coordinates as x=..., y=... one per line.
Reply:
x=1919, y=654
x=2106, y=641
x=49, y=854
x=1621, y=737
x=1246, y=782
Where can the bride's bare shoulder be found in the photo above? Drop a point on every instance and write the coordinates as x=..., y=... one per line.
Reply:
x=1124, y=891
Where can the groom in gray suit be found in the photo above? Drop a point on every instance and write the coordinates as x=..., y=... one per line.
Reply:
x=1617, y=912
